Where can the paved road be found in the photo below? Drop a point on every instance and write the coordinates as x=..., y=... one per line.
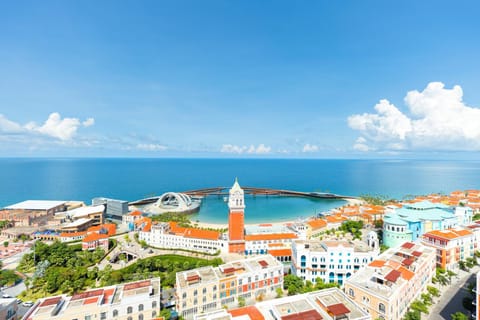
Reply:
x=13, y=292
x=452, y=296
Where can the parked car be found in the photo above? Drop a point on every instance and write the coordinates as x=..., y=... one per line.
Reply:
x=5, y=295
x=28, y=303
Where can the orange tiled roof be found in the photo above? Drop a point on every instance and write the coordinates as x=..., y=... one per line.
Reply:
x=317, y=223
x=110, y=227
x=448, y=234
x=135, y=213
x=406, y=274
x=251, y=311
x=201, y=234
x=377, y=263
x=280, y=252
x=94, y=237
x=270, y=236
x=334, y=219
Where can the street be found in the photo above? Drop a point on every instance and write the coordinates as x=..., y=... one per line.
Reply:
x=451, y=299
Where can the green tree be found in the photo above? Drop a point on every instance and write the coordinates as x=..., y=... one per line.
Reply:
x=241, y=302
x=5, y=244
x=419, y=306
x=279, y=292
x=433, y=291
x=459, y=316
x=426, y=299
x=166, y=314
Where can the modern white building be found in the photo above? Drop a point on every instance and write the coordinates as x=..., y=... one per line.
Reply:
x=170, y=235
x=130, y=301
x=333, y=260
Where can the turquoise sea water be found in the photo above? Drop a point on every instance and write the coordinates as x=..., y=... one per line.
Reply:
x=132, y=179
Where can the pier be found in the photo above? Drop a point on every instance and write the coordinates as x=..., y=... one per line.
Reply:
x=223, y=191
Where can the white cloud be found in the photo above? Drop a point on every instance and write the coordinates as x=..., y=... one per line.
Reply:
x=151, y=147
x=8, y=126
x=89, y=122
x=56, y=127
x=310, y=148
x=439, y=120
x=260, y=149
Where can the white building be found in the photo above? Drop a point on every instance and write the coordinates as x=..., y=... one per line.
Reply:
x=170, y=235
x=130, y=301
x=332, y=261
x=206, y=289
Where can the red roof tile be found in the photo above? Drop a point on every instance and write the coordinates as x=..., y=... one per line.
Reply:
x=252, y=312
x=338, y=309
x=408, y=245
x=50, y=301
x=87, y=294
x=407, y=262
x=393, y=275
x=136, y=285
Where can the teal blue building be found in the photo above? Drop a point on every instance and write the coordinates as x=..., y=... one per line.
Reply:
x=414, y=219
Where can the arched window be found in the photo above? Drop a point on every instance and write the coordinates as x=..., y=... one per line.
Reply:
x=154, y=304
x=154, y=314
x=140, y=307
x=381, y=308
x=115, y=313
x=129, y=310
x=129, y=318
x=140, y=316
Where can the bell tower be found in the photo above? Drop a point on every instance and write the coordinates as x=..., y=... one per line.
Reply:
x=236, y=219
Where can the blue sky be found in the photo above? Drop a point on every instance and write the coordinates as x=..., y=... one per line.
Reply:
x=240, y=79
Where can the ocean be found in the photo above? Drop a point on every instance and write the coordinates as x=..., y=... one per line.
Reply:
x=133, y=179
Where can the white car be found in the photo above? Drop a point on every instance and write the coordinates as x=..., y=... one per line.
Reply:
x=27, y=304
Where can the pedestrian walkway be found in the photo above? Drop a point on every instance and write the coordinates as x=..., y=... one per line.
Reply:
x=452, y=295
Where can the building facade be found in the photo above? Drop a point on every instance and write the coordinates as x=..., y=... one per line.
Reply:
x=387, y=285
x=130, y=301
x=236, y=219
x=8, y=308
x=411, y=221
x=452, y=246
x=170, y=235
x=206, y=289
x=332, y=261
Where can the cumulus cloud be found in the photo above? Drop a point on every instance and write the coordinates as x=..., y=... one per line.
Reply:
x=62, y=129
x=310, y=148
x=438, y=119
x=260, y=149
x=151, y=147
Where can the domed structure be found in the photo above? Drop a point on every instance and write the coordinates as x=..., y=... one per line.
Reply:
x=173, y=202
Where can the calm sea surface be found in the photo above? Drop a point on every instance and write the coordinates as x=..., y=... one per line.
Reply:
x=132, y=179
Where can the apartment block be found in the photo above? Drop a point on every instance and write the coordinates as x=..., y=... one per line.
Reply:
x=387, y=285
x=209, y=288
x=332, y=261
x=130, y=301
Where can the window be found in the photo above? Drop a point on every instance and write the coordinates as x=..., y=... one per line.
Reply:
x=184, y=295
x=140, y=307
x=129, y=318
x=204, y=290
x=154, y=314
x=381, y=308
x=154, y=304
x=88, y=317
x=351, y=292
x=103, y=315
x=115, y=313
x=129, y=310
x=196, y=292
x=214, y=288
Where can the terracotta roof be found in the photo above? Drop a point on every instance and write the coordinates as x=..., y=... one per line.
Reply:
x=270, y=236
x=109, y=228
x=201, y=234
x=94, y=237
x=377, y=263
x=136, y=285
x=406, y=274
x=336, y=218
x=280, y=252
x=135, y=213
x=416, y=253
x=408, y=245
x=251, y=311
x=87, y=294
x=263, y=263
x=50, y=301
x=448, y=234
x=407, y=262
x=317, y=223
x=338, y=309
x=90, y=300
x=393, y=275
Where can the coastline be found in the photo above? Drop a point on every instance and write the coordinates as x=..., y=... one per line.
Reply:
x=210, y=225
